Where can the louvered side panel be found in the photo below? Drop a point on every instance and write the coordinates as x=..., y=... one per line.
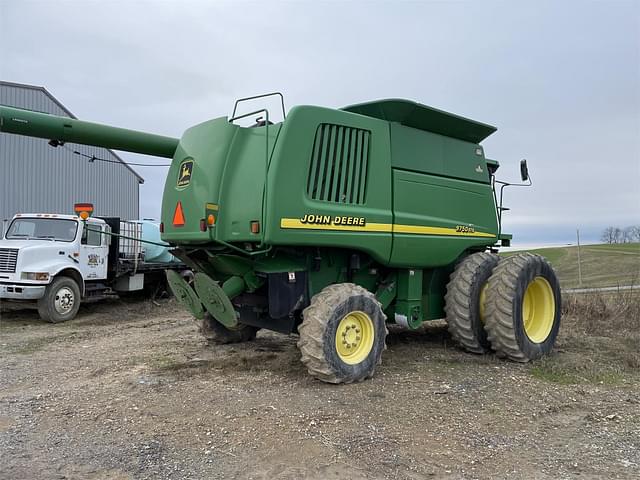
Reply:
x=338, y=164
x=364, y=164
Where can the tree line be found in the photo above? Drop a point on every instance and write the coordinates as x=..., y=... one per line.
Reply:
x=621, y=235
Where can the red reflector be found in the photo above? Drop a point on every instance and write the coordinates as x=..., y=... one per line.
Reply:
x=255, y=227
x=161, y=227
x=178, y=216
x=203, y=225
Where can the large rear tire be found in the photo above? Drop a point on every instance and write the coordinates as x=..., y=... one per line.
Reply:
x=218, y=334
x=464, y=301
x=343, y=334
x=523, y=307
x=61, y=300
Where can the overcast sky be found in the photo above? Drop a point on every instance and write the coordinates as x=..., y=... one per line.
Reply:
x=560, y=80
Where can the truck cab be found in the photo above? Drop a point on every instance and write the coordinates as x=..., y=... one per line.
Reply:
x=52, y=258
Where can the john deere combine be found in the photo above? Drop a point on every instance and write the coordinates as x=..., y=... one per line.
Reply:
x=332, y=223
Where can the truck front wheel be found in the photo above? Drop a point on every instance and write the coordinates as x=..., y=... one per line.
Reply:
x=61, y=300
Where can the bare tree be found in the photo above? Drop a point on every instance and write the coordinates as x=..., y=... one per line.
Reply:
x=621, y=235
x=627, y=235
x=617, y=235
x=608, y=235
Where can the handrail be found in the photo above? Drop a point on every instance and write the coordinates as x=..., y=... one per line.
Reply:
x=499, y=207
x=235, y=106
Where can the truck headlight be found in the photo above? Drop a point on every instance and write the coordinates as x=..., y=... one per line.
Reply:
x=40, y=276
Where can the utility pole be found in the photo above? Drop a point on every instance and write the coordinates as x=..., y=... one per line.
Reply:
x=579, y=266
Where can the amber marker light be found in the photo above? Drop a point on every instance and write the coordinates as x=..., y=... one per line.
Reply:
x=255, y=227
x=211, y=220
x=83, y=210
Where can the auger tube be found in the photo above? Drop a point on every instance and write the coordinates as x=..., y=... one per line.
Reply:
x=65, y=129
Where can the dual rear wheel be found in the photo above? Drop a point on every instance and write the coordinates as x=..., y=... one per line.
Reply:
x=511, y=306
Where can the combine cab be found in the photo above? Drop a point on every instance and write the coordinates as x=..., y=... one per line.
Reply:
x=332, y=223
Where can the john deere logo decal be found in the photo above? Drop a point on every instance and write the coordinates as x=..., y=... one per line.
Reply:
x=184, y=175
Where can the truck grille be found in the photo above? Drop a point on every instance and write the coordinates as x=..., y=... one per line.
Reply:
x=338, y=167
x=8, y=260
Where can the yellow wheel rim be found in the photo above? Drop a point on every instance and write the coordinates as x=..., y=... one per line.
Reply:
x=354, y=337
x=538, y=310
x=483, y=297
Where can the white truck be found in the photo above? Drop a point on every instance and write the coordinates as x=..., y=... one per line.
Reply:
x=59, y=260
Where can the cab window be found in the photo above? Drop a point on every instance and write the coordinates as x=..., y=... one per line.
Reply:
x=91, y=235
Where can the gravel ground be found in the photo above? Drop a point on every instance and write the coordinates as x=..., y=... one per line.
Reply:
x=129, y=390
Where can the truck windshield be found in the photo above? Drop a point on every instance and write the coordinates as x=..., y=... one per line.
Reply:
x=42, y=229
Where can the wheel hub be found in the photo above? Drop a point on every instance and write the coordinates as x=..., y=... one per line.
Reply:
x=354, y=337
x=64, y=300
x=538, y=310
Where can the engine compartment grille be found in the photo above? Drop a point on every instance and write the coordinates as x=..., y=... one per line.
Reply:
x=8, y=260
x=339, y=164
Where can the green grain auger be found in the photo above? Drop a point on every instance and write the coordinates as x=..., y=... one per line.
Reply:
x=331, y=223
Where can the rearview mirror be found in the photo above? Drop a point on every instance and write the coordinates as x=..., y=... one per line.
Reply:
x=524, y=171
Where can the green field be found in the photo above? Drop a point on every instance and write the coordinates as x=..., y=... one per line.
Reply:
x=602, y=265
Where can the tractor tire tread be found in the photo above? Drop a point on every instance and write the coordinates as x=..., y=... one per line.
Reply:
x=501, y=293
x=311, y=330
x=458, y=301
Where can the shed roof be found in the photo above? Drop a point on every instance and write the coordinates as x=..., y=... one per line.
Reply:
x=422, y=117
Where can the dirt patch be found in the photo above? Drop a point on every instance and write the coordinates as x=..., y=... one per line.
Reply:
x=129, y=390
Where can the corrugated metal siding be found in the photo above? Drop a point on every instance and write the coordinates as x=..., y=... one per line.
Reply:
x=35, y=177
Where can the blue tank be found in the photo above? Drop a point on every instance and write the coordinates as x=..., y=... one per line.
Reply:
x=155, y=253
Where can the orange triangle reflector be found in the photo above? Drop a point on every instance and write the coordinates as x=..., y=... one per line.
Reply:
x=178, y=216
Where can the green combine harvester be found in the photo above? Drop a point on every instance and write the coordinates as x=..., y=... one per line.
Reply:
x=332, y=223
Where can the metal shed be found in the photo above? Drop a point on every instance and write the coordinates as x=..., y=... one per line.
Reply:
x=36, y=177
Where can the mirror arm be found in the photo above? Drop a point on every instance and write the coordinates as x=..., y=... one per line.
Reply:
x=502, y=186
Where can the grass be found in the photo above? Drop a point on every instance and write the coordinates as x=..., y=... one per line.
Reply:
x=602, y=265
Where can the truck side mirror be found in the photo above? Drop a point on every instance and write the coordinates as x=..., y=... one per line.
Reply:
x=524, y=171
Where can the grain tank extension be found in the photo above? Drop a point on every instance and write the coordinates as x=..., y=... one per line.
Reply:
x=332, y=223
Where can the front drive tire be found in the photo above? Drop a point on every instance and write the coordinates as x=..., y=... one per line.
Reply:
x=523, y=307
x=463, y=301
x=343, y=334
x=61, y=300
x=218, y=334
